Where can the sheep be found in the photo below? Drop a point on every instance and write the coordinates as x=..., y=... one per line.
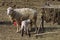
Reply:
x=22, y=13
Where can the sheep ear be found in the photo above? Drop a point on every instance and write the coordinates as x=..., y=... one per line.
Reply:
x=12, y=11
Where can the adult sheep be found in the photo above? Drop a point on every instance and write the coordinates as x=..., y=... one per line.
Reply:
x=22, y=14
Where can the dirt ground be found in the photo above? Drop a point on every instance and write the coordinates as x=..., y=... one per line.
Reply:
x=8, y=32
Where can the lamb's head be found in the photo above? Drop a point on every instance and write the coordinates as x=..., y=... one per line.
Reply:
x=9, y=10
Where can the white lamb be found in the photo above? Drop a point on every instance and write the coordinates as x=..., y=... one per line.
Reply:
x=24, y=24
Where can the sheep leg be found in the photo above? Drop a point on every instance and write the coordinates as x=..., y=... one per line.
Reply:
x=17, y=28
x=31, y=25
x=35, y=27
x=22, y=31
x=28, y=32
x=34, y=22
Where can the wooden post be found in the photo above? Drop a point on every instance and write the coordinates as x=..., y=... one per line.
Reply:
x=42, y=23
x=54, y=14
x=42, y=17
x=58, y=17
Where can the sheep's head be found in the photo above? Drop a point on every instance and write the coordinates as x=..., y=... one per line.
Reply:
x=9, y=10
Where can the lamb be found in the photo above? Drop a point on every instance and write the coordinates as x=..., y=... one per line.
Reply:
x=25, y=26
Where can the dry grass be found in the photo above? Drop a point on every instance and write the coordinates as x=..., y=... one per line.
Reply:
x=8, y=31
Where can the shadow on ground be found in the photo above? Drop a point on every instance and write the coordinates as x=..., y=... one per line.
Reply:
x=46, y=29
x=5, y=23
